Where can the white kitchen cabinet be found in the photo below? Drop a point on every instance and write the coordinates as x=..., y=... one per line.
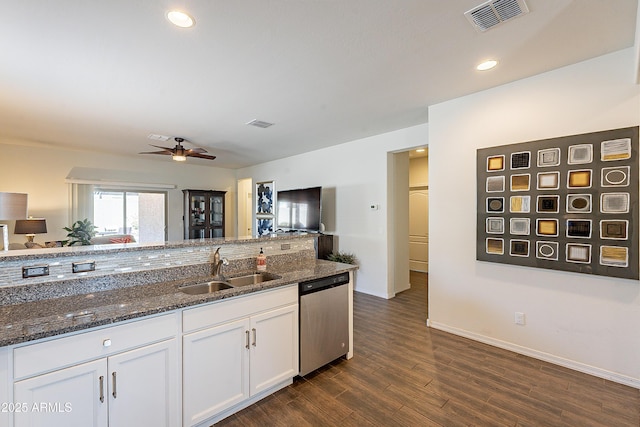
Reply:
x=73, y=393
x=125, y=387
x=142, y=387
x=216, y=370
x=5, y=385
x=252, y=353
x=274, y=348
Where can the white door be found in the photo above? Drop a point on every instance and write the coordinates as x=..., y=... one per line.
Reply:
x=215, y=370
x=143, y=387
x=71, y=397
x=419, y=230
x=274, y=347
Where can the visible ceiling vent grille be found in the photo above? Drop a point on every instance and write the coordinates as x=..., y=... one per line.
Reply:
x=259, y=124
x=494, y=12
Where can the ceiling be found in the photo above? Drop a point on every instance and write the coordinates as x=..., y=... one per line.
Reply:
x=103, y=75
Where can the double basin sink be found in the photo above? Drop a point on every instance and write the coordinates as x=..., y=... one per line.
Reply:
x=228, y=283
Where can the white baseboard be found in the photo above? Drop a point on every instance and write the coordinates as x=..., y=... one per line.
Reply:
x=556, y=360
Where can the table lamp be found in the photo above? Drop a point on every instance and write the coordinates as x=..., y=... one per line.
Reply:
x=30, y=227
x=12, y=206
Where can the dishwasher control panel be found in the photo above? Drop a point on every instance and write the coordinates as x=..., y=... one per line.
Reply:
x=323, y=283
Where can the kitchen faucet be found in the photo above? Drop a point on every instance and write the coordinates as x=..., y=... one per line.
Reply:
x=217, y=265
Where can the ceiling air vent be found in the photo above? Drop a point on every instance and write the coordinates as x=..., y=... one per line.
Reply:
x=494, y=12
x=259, y=124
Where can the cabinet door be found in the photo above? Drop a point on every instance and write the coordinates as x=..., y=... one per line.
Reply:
x=68, y=397
x=143, y=387
x=419, y=230
x=215, y=370
x=5, y=384
x=198, y=211
x=216, y=210
x=274, y=347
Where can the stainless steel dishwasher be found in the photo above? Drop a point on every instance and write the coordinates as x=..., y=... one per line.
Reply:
x=324, y=321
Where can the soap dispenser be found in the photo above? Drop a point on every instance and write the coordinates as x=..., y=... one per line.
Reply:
x=261, y=261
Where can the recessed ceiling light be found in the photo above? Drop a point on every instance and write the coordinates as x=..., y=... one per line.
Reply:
x=180, y=19
x=420, y=150
x=487, y=65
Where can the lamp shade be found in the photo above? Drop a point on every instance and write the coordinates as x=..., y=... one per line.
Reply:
x=31, y=226
x=13, y=206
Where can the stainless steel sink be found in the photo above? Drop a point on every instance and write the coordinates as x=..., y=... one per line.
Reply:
x=232, y=282
x=251, y=279
x=205, y=288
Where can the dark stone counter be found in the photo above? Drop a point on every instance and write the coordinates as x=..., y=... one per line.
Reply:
x=27, y=321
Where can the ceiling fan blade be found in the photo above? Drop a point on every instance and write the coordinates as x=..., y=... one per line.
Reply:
x=169, y=150
x=197, y=150
x=201, y=156
x=157, y=152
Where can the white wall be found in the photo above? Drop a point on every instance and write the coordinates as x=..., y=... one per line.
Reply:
x=28, y=167
x=353, y=177
x=586, y=322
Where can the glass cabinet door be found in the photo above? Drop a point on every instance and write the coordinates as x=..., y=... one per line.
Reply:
x=216, y=211
x=203, y=214
x=198, y=210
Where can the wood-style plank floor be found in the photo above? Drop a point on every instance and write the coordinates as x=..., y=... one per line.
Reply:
x=405, y=374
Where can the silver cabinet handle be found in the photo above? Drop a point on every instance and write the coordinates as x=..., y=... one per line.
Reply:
x=247, y=344
x=101, y=389
x=113, y=381
x=254, y=336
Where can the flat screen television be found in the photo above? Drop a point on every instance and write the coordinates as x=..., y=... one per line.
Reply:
x=299, y=210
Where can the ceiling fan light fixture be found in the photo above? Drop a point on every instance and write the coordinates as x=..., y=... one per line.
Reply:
x=180, y=19
x=486, y=65
x=179, y=153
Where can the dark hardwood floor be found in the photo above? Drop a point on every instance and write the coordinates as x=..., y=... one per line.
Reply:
x=405, y=374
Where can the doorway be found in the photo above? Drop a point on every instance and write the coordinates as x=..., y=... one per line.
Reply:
x=245, y=207
x=419, y=221
x=419, y=210
x=409, y=220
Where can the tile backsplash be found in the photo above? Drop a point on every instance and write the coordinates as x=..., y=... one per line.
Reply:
x=112, y=262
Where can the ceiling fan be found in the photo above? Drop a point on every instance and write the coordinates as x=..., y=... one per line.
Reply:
x=179, y=153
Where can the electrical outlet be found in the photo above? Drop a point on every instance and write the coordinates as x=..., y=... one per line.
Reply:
x=519, y=318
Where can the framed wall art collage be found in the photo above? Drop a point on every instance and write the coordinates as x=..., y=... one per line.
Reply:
x=567, y=203
x=265, y=207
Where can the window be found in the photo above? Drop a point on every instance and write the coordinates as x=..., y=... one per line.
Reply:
x=140, y=213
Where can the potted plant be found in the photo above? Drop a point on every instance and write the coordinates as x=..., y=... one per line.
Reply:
x=343, y=257
x=80, y=232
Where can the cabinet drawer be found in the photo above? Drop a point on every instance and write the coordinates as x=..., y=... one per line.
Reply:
x=34, y=359
x=227, y=310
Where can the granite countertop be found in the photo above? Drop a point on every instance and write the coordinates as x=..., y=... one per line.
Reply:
x=34, y=320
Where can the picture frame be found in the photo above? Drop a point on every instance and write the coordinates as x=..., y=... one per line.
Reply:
x=265, y=198
x=264, y=225
x=568, y=203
